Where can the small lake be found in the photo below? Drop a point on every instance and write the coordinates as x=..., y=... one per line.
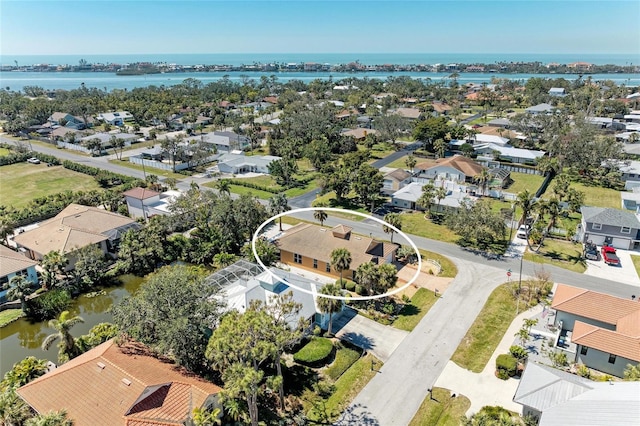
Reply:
x=22, y=338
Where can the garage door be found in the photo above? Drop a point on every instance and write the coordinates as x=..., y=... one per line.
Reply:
x=621, y=243
x=595, y=239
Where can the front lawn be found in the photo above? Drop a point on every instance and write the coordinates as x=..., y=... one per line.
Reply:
x=449, y=269
x=241, y=190
x=416, y=224
x=10, y=315
x=346, y=388
x=412, y=313
x=148, y=170
x=564, y=254
x=345, y=357
x=399, y=163
x=440, y=409
x=329, y=200
x=636, y=263
x=23, y=182
x=487, y=330
x=599, y=197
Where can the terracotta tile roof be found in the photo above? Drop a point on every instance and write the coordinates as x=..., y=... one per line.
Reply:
x=591, y=304
x=605, y=340
x=74, y=227
x=110, y=385
x=11, y=261
x=140, y=193
x=461, y=163
x=315, y=242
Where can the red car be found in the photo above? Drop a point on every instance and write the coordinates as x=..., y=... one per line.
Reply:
x=609, y=255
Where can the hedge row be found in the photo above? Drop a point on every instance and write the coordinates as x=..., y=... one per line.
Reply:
x=240, y=182
x=21, y=157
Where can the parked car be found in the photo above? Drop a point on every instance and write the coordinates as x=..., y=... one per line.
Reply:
x=609, y=255
x=33, y=160
x=590, y=251
x=523, y=232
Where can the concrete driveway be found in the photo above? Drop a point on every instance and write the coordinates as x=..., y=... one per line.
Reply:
x=625, y=273
x=380, y=340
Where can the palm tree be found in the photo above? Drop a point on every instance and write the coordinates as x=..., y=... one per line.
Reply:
x=328, y=305
x=367, y=276
x=52, y=418
x=441, y=194
x=426, y=199
x=553, y=208
x=7, y=226
x=67, y=346
x=482, y=179
x=53, y=264
x=279, y=204
x=410, y=162
x=223, y=186
x=340, y=260
x=632, y=372
x=320, y=216
x=526, y=202
x=392, y=219
x=440, y=147
x=20, y=288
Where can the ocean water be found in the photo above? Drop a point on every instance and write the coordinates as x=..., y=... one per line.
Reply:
x=330, y=58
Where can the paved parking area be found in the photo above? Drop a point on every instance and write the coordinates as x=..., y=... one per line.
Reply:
x=380, y=340
x=625, y=273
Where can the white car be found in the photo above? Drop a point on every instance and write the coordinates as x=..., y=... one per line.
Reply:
x=33, y=160
x=523, y=232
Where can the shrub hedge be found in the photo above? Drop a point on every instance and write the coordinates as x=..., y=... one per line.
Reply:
x=315, y=352
x=48, y=305
x=507, y=363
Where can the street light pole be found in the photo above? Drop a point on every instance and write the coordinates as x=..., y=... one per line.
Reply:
x=519, y=285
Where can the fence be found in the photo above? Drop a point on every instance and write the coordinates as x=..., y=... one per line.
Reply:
x=157, y=164
x=518, y=168
x=74, y=147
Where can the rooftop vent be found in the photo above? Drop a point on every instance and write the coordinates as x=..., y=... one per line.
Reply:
x=126, y=382
x=101, y=366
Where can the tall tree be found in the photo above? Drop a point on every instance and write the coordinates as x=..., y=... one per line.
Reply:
x=427, y=131
x=392, y=219
x=426, y=199
x=238, y=348
x=20, y=288
x=440, y=147
x=328, y=305
x=341, y=260
x=367, y=276
x=23, y=372
x=367, y=184
x=53, y=264
x=223, y=186
x=320, y=216
x=440, y=194
x=67, y=348
x=526, y=202
x=410, y=162
x=174, y=147
x=174, y=312
x=279, y=204
x=482, y=179
x=387, y=276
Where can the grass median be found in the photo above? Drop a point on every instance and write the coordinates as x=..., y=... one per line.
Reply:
x=440, y=409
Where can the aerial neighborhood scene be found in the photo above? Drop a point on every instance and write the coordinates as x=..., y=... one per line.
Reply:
x=253, y=231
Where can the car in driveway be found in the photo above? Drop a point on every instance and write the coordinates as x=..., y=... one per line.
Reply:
x=609, y=256
x=590, y=251
x=33, y=160
x=523, y=232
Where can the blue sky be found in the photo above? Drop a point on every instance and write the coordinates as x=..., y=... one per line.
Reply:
x=366, y=26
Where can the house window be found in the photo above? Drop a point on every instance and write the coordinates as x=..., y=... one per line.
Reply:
x=315, y=263
x=297, y=258
x=625, y=230
x=328, y=267
x=596, y=226
x=612, y=359
x=583, y=350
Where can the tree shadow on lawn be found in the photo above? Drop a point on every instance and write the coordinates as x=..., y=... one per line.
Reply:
x=298, y=378
x=410, y=310
x=564, y=257
x=359, y=340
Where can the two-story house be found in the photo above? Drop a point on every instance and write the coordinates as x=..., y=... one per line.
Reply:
x=617, y=228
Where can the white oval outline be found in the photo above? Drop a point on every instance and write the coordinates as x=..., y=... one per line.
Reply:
x=333, y=209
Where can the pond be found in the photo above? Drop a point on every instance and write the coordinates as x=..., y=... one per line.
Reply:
x=23, y=338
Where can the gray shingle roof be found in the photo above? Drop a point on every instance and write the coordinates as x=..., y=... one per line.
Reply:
x=609, y=216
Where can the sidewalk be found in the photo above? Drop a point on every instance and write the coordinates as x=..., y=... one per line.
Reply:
x=485, y=388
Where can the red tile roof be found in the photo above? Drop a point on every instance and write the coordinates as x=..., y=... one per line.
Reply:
x=110, y=385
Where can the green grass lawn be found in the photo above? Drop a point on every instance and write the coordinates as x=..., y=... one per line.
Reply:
x=440, y=409
x=416, y=224
x=381, y=150
x=345, y=357
x=241, y=190
x=449, y=269
x=22, y=182
x=563, y=254
x=599, y=197
x=412, y=313
x=487, y=330
x=522, y=181
x=399, y=163
x=329, y=200
x=636, y=263
x=148, y=170
x=9, y=315
x=348, y=386
x=4, y=151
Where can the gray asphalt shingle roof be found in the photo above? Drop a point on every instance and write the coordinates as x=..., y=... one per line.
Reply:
x=609, y=216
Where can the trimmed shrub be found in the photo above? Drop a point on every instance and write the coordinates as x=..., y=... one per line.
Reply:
x=345, y=357
x=341, y=282
x=314, y=353
x=350, y=286
x=359, y=289
x=508, y=363
x=518, y=352
x=502, y=375
x=583, y=371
